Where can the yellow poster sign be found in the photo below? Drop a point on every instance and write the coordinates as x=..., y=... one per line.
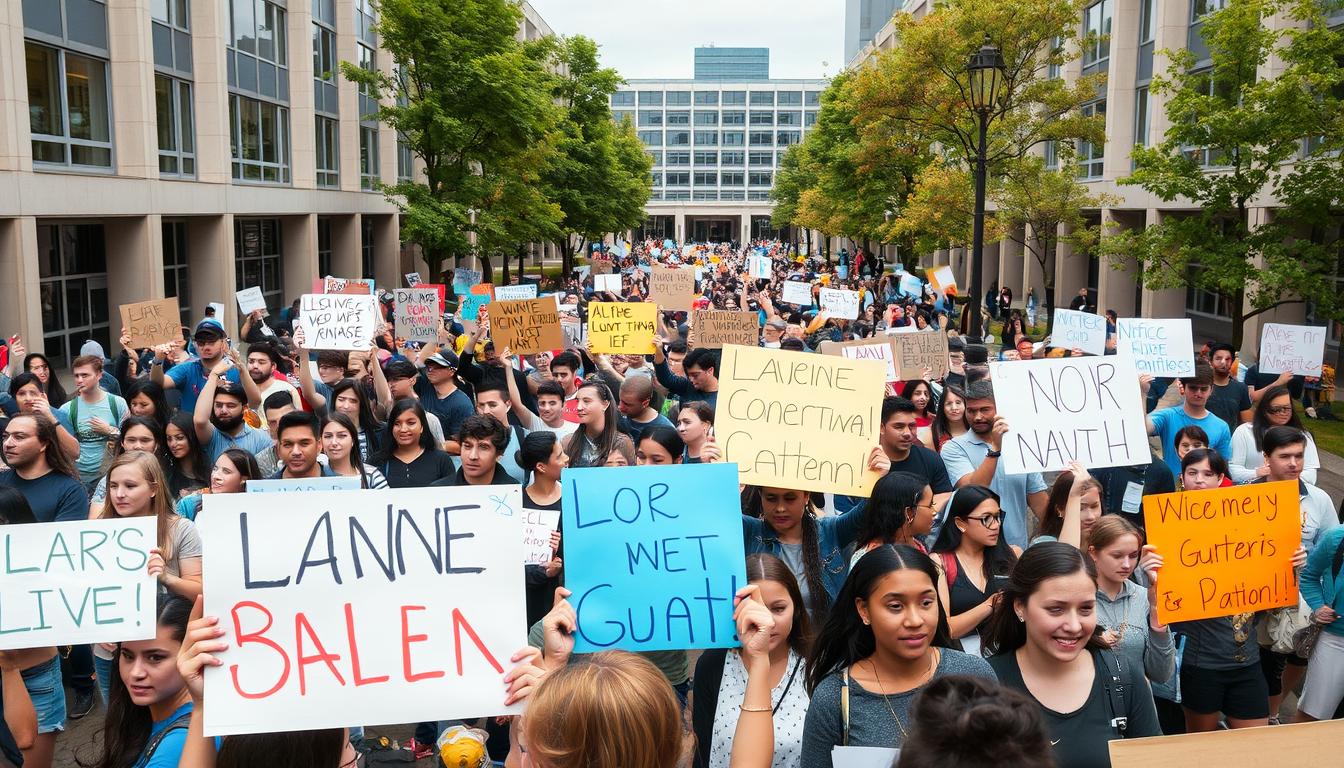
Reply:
x=622, y=328
x=1225, y=550
x=798, y=420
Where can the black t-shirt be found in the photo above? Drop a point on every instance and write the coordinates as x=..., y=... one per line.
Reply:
x=924, y=463
x=1115, y=482
x=1228, y=401
x=427, y=468
x=1254, y=378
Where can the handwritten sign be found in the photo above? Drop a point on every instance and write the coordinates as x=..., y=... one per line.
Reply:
x=1297, y=744
x=760, y=267
x=1079, y=330
x=344, y=285
x=715, y=328
x=337, y=321
x=465, y=277
x=798, y=420
x=515, y=292
x=881, y=350
x=399, y=604
x=607, y=282
x=840, y=304
x=412, y=279
x=941, y=279
x=622, y=328
x=1225, y=550
x=526, y=327
x=83, y=581
x=1298, y=349
x=341, y=483
x=672, y=288
x=470, y=306
x=798, y=293
x=1159, y=347
x=250, y=300
x=417, y=314
x=919, y=350
x=538, y=525
x=1067, y=408
x=911, y=285
x=151, y=323
x=653, y=556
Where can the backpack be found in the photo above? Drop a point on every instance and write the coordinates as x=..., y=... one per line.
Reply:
x=949, y=567
x=181, y=722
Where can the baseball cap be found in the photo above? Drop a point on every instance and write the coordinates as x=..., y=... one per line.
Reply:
x=777, y=323
x=209, y=327
x=445, y=358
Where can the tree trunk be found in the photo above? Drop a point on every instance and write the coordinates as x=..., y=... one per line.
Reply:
x=487, y=270
x=1238, y=302
x=522, y=256
x=504, y=278
x=826, y=247
x=807, y=233
x=566, y=258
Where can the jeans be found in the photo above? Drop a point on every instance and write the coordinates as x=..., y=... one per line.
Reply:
x=106, y=668
x=48, y=694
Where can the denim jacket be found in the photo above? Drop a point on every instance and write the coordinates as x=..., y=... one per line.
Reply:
x=835, y=536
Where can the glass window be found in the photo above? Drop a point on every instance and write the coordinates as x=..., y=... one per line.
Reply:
x=707, y=138
x=787, y=138
x=1091, y=156
x=259, y=136
x=679, y=158
x=1052, y=154
x=656, y=156
x=734, y=139
x=72, y=262
x=176, y=280
x=656, y=178
x=68, y=108
x=257, y=259
x=757, y=159
x=366, y=249
x=680, y=117
x=762, y=118
x=328, y=152
x=706, y=158
x=324, y=54
x=650, y=98
x=1147, y=20
x=1054, y=68
x=623, y=99
x=678, y=98
x=790, y=118
x=733, y=98
x=623, y=115
x=1203, y=8
x=650, y=117
x=734, y=158
x=790, y=98
x=678, y=178
x=706, y=178
x=405, y=160
x=762, y=138
x=706, y=98
x=678, y=138
x=762, y=98
x=760, y=178
x=732, y=179
x=734, y=118
x=703, y=117
x=1141, y=117
x=173, y=111
x=1097, y=32
x=651, y=138
x=809, y=119
x=368, y=157
x=324, y=249
x=813, y=99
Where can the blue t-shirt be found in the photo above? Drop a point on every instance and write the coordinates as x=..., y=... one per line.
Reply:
x=251, y=439
x=451, y=410
x=637, y=429
x=190, y=378
x=1169, y=421
x=54, y=497
x=169, y=750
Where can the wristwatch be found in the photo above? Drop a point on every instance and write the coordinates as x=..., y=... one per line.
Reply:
x=994, y=454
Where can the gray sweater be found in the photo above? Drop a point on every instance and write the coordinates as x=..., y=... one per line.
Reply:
x=870, y=723
x=1141, y=647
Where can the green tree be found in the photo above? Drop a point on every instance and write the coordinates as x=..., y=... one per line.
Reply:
x=791, y=179
x=1236, y=137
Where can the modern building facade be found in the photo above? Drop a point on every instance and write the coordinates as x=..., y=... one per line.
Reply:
x=1127, y=41
x=863, y=19
x=188, y=148
x=736, y=64
x=715, y=146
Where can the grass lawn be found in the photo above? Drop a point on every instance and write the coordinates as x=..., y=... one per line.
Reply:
x=1329, y=434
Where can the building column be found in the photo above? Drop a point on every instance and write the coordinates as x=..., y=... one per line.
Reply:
x=302, y=118
x=1070, y=269
x=745, y=234
x=20, y=276
x=680, y=228
x=989, y=268
x=210, y=248
x=1118, y=277
x=347, y=93
x=298, y=250
x=210, y=94
x=16, y=151
x=386, y=251
x=137, y=243
x=135, y=137
x=1168, y=302
x=345, y=243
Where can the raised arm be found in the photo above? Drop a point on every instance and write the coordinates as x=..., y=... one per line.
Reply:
x=205, y=402
x=754, y=737
x=305, y=371
x=156, y=368
x=249, y=386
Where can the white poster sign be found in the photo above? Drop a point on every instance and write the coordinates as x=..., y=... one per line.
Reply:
x=610, y=282
x=760, y=267
x=412, y=279
x=840, y=304
x=338, y=320
x=515, y=292
x=402, y=605
x=1298, y=349
x=1159, y=347
x=799, y=293
x=338, y=483
x=911, y=285
x=538, y=525
x=250, y=300
x=1079, y=330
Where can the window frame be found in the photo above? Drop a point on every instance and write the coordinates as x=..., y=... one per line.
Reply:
x=61, y=94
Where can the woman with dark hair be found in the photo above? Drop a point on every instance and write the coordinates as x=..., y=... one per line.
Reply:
x=659, y=445
x=348, y=397
x=1203, y=468
x=344, y=456
x=1274, y=409
x=950, y=420
x=970, y=722
x=885, y=640
x=230, y=474
x=1073, y=507
x=597, y=436
x=190, y=469
x=900, y=511
x=37, y=364
x=543, y=455
x=412, y=458
x=148, y=706
x=1048, y=645
x=145, y=398
x=975, y=560
x=920, y=392
x=721, y=675
x=695, y=421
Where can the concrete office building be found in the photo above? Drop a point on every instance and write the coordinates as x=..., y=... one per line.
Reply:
x=717, y=142
x=863, y=19
x=1128, y=38
x=187, y=148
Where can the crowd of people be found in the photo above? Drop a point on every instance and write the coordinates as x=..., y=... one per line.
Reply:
x=960, y=614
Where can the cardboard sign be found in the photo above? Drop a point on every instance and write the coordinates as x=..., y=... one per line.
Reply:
x=341, y=483
x=1224, y=550
x=1298, y=349
x=337, y=321
x=400, y=604
x=603, y=267
x=715, y=328
x=607, y=282
x=622, y=328
x=250, y=300
x=469, y=308
x=538, y=525
x=1297, y=744
x=919, y=350
x=840, y=304
x=672, y=288
x=1067, y=408
x=1079, y=330
x=218, y=308
x=653, y=556
x=526, y=327
x=881, y=350
x=799, y=420
x=798, y=293
x=515, y=292
x=412, y=279
x=83, y=581
x=342, y=285
x=1158, y=347
x=151, y=323
x=941, y=279
x=416, y=311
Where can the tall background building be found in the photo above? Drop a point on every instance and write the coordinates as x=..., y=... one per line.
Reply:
x=863, y=20
x=716, y=141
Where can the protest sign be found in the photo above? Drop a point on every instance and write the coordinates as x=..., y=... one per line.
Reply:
x=516, y=292
x=151, y=323
x=714, y=328
x=337, y=321
x=482, y=289
x=1297, y=349
x=218, y=308
x=469, y=308
x=672, y=288
x=83, y=581
x=1067, y=408
x=400, y=604
x=417, y=314
x=1079, y=330
x=941, y=279
x=465, y=277
x=603, y=267
x=760, y=267
x=575, y=330
x=250, y=300
x=653, y=556
x=864, y=757
x=911, y=285
x=799, y=420
x=622, y=328
x=338, y=483
x=342, y=285
x=1297, y=744
x=538, y=525
x=1224, y=550
x=840, y=304
x=918, y=350
x=1160, y=347
x=412, y=279
x=526, y=327
x=881, y=350
x=607, y=282
x=798, y=293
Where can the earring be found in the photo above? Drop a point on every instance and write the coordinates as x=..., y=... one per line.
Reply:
x=1021, y=618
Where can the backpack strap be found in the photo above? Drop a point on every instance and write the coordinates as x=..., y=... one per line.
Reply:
x=1115, y=692
x=177, y=724
x=949, y=567
x=844, y=706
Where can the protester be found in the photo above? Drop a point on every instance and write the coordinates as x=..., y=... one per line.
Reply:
x=190, y=469
x=900, y=510
x=413, y=460
x=550, y=414
x=190, y=377
x=96, y=416
x=1126, y=612
x=493, y=400
x=1074, y=507
x=695, y=423
x=145, y=398
x=136, y=488
x=975, y=562
x=229, y=474
x=950, y=421
x=660, y=445
x=1323, y=591
x=545, y=457
x=637, y=415
x=597, y=436
x=344, y=454
x=1165, y=423
x=1229, y=400
x=137, y=434
x=220, y=419
x=41, y=471
x=970, y=722
x=1274, y=409
x=30, y=397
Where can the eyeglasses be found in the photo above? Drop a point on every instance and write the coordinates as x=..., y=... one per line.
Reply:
x=990, y=521
x=1280, y=409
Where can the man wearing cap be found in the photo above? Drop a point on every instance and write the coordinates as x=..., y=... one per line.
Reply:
x=218, y=416
x=436, y=387
x=190, y=377
x=774, y=332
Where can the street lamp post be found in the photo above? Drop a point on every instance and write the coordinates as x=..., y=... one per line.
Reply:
x=986, y=73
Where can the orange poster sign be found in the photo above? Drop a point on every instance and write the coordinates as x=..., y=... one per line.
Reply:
x=1225, y=550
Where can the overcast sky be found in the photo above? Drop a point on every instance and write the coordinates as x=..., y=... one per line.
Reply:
x=656, y=38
